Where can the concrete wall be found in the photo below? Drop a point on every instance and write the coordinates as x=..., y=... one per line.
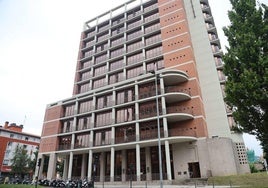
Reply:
x=216, y=157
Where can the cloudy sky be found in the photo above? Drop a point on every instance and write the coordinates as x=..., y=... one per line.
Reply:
x=39, y=42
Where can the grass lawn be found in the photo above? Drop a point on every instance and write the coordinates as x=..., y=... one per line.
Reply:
x=254, y=180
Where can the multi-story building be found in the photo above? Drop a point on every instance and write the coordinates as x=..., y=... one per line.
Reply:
x=149, y=73
x=11, y=136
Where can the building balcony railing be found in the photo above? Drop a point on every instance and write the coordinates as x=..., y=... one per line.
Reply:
x=131, y=138
x=151, y=135
x=182, y=132
x=64, y=147
x=171, y=89
x=182, y=109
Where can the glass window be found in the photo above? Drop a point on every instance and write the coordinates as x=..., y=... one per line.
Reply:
x=125, y=114
x=134, y=72
x=82, y=141
x=116, y=64
x=99, y=83
x=69, y=110
x=104, y=101
x=153, y=39
x=104, y=118
x=100, y=58
x=134, y=46
x=84, y=87
x=153, y=52
x=134, y=58
x=99, y=70
x=117, y=52
x=125, y=96
x=117, y=77
x=83, y=123
x=102, y=137
x=85, y=106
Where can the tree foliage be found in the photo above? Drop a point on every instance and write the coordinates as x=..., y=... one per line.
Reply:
x=246, y=67
x=20, y=161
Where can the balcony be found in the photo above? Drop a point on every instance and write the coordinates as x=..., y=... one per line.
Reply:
x=64, y=147
x=124, y=139
x=149, y=135
x=174, y=77
x=182, y=132
x=175, y=114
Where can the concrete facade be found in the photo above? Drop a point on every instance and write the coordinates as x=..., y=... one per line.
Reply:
x=148, y=82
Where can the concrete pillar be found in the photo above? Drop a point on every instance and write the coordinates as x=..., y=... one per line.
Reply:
x=89, y=170
x=102, y=167
x=70, y=165
x=83, y=167
x=138, y=162
x=124, y=165
x=148, y=164
x=112, y=164
x=65, y=168
x=168, y=160
x=40, y=174
x=51, y=171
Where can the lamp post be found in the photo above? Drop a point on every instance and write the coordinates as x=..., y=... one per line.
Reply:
x=158, y=131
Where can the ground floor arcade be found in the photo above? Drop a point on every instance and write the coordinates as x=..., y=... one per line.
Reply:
x=191, y=159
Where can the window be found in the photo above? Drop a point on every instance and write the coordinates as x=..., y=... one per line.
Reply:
x=134, y=58
x=125, y=114
x=104, y=101
x=117, y=77
x=26, y=138
x=154, y=52
x=100, y=70
x=116, y=64
x=153, y=39
x=134, y=46
x=104, y=118
x=69, y=110
x=84, y=87
x=134, y=72
x=99, y=83
x=102, y=137
x=134, y=34
x=11, y=135
x=85, y=106
x=125, y=96
x=83, y=123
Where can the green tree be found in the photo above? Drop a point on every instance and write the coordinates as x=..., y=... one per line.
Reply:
x=246, y=67
x=20, y=161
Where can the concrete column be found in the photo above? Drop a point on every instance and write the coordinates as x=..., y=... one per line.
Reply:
x=148, y=164
x=165, y=126
x=102, y=166
x=89, y=170
x=70, y=165
x=40, y=175
x=112, y=164
x=65, y=168
x=51, y=171
x=124, y=165
x=168, y=160
x=138, y=162
x=73, y=141
x=83, y=167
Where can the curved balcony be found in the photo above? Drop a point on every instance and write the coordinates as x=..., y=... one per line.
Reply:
x=175, y=114
x=172, y=77
x=176, y=97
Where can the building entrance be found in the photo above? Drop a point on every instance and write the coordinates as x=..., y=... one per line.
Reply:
x=194, y=170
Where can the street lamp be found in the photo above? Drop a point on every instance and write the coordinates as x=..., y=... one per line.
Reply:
x=158, y=130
